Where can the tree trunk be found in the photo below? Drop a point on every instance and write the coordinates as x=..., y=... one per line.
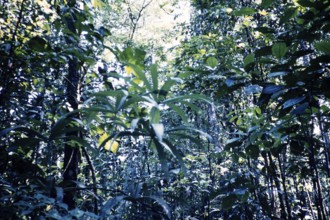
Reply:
x=71, y=153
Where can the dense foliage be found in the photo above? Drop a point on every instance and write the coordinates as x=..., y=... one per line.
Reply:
x=236, y=127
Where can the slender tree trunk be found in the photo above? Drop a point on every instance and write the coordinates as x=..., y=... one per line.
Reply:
x=278, y=185
x=282, y=172
x=71, y=153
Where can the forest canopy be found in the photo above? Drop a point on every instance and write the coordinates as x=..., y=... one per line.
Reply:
x=200, y=109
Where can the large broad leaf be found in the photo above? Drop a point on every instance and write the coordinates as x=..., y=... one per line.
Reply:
x=141, y=75
x=276, y=74
x=292, y=102
x=162, y=156
x=279, y=50
x=229, y=201
x=131, y=56
x=169, y=83
x=112, y=93
x=29, y=142
x=300, y=109
x=110, y=204
x=110, y=145
x=175, y=152
x=113, y=202
x=288, y=14
x=163, y=204
x=29, y=131
x=245, y=11
x=249, y=59
x=266, y=3
x=154, y=115
x=323, y=46
x=154, y=76
x=61, y=127
x=190, y=130
x=271, y=89
x=179, y=111
x=38, y=44
x=120, y=102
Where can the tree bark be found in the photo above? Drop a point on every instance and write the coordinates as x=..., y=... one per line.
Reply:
x=71, y=153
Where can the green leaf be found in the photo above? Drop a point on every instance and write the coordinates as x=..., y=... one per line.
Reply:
x=266, y=3
x=31, y=132
x=120, y=102
x=179, y=111
x=245, y=11
x=288, y=14
x=190, y=129
x=141, y=75
x=292, y=102
x=279, y=50
x=271, y=89
x=323, y=46
x=163, y=204
x=154, y=115
x=169, y=83
x=154, y=76
x=161, y=155
x=176, y=153
x=306, y=3
x=114, y=93
x=276, y=74
x=212, y=62
x=249, y=59
x=38, y=44
x=300, y=109
x=110, y=204
x=185, y=97
x=133, y=56
x=252, y=151
x=98, y=3
x=29, y=142
x=229, y=201
x=60, y=128
x=114, y=146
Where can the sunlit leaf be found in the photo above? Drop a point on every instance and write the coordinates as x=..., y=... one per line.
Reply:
x=129, y=70
x=245, y=11
x=159, y=130
x=154, y=115
x=212, y=62
x=292, y=102
x=109, y=145
x=98, y=3
x=114, y=146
